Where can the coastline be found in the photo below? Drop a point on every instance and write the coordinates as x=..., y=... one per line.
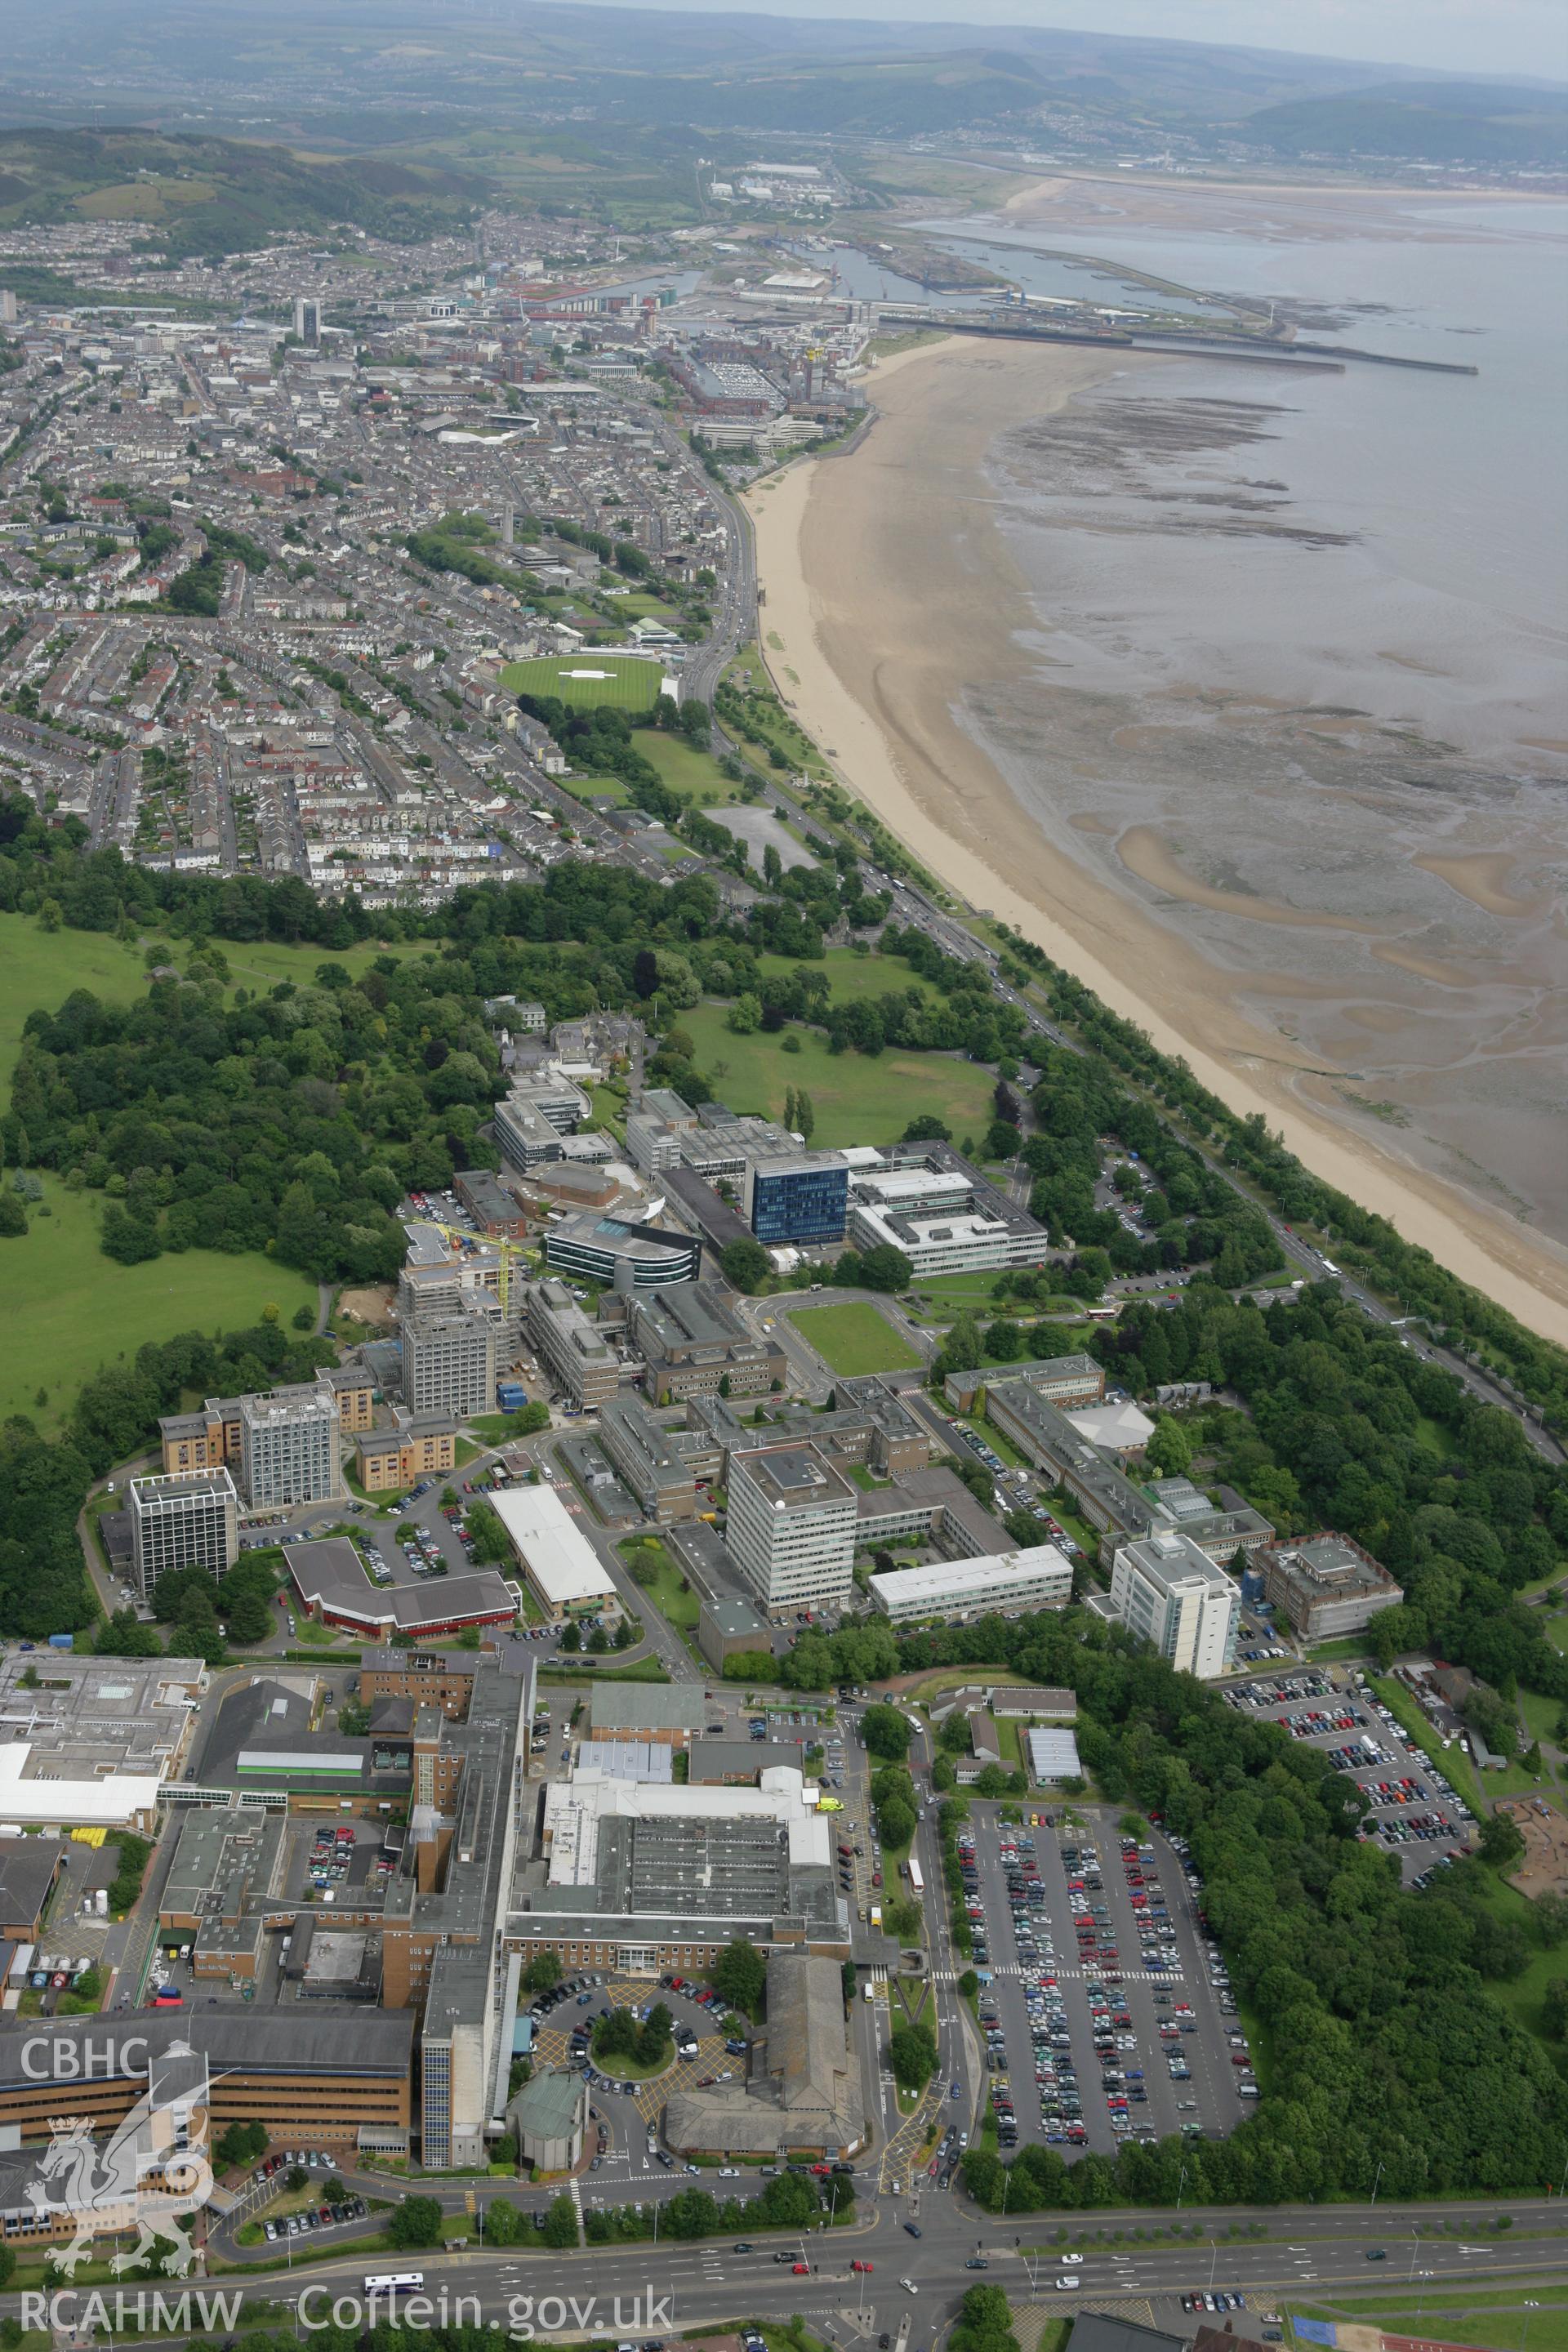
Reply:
x=890, y=593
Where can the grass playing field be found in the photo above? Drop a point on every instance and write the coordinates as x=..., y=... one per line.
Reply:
x=854, y=1338
x=72, y=1311
x=685, y=770
x=853, y=976
x=588, y=680
x=1529, y=2314
x=858, y=1097
x=38, y=969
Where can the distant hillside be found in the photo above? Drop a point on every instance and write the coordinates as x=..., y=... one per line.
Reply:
x=537, y=62
x=210, y=196
x=863, y=96
x=1425, y=123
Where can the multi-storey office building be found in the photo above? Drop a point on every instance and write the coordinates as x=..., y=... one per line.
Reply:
x=211, y=1437
x=289, y=1447
x=621, y=1256
x=690, y=1337
x=574, y=1352
x=190, y=1522
x=791, y=1529
x=801, y=1199
x=1165, y=1588
x=1009, y=1583
x=449, y=1363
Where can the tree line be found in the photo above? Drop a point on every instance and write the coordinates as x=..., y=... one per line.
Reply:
x=45, y=1482
x=1382, y=2040
x=1363, y=1242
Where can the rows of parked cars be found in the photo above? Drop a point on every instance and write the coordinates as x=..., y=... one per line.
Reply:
x=1013, y=1490
x=1274, y=1690
x=331, y=1858
x=316, y=2217
x=1376, y=1739
x=569, y=1989
x=1316, y=1725
x=1236, y=2046
x=1152, y=1923
x=285, y=2159
x=1382, y=1794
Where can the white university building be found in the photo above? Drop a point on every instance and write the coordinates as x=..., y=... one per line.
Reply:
x=791, y=1529
x=1165, y=1588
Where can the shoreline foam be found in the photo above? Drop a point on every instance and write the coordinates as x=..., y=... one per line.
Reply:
x=889, y=594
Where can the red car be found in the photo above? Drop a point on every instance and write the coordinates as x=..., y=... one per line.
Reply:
x=866, y=2267
x=802, y=2270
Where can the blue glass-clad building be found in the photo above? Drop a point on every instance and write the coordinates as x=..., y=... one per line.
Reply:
x=805, y=1199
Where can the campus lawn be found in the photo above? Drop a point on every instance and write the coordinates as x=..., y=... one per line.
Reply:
x=962, y=1292
x=610, y=1107
x=1541, y=1714
x=75, y=1310
x=679, y=1608
x=1010, y=1740
x=587, y=680
x=641, y=604
x=491, y=1426
x=854, y=1338
x=858, y=1097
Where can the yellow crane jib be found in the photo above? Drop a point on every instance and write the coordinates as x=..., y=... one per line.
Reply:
x=506, y=1252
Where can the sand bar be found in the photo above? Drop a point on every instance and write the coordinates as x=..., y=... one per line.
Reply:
x=889, y=591
x=1482, y=876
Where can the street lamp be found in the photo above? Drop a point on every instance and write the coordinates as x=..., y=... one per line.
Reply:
x=1377, y=2178
x=1181, y=2184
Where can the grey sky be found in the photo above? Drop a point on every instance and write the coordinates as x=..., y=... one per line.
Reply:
x=1489, y=36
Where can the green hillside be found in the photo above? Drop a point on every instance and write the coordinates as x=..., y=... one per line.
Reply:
x=201, y=194
x=1427, y=122
x=613, y=105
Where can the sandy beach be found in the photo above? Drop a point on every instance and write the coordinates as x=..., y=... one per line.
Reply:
x=893, y=599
